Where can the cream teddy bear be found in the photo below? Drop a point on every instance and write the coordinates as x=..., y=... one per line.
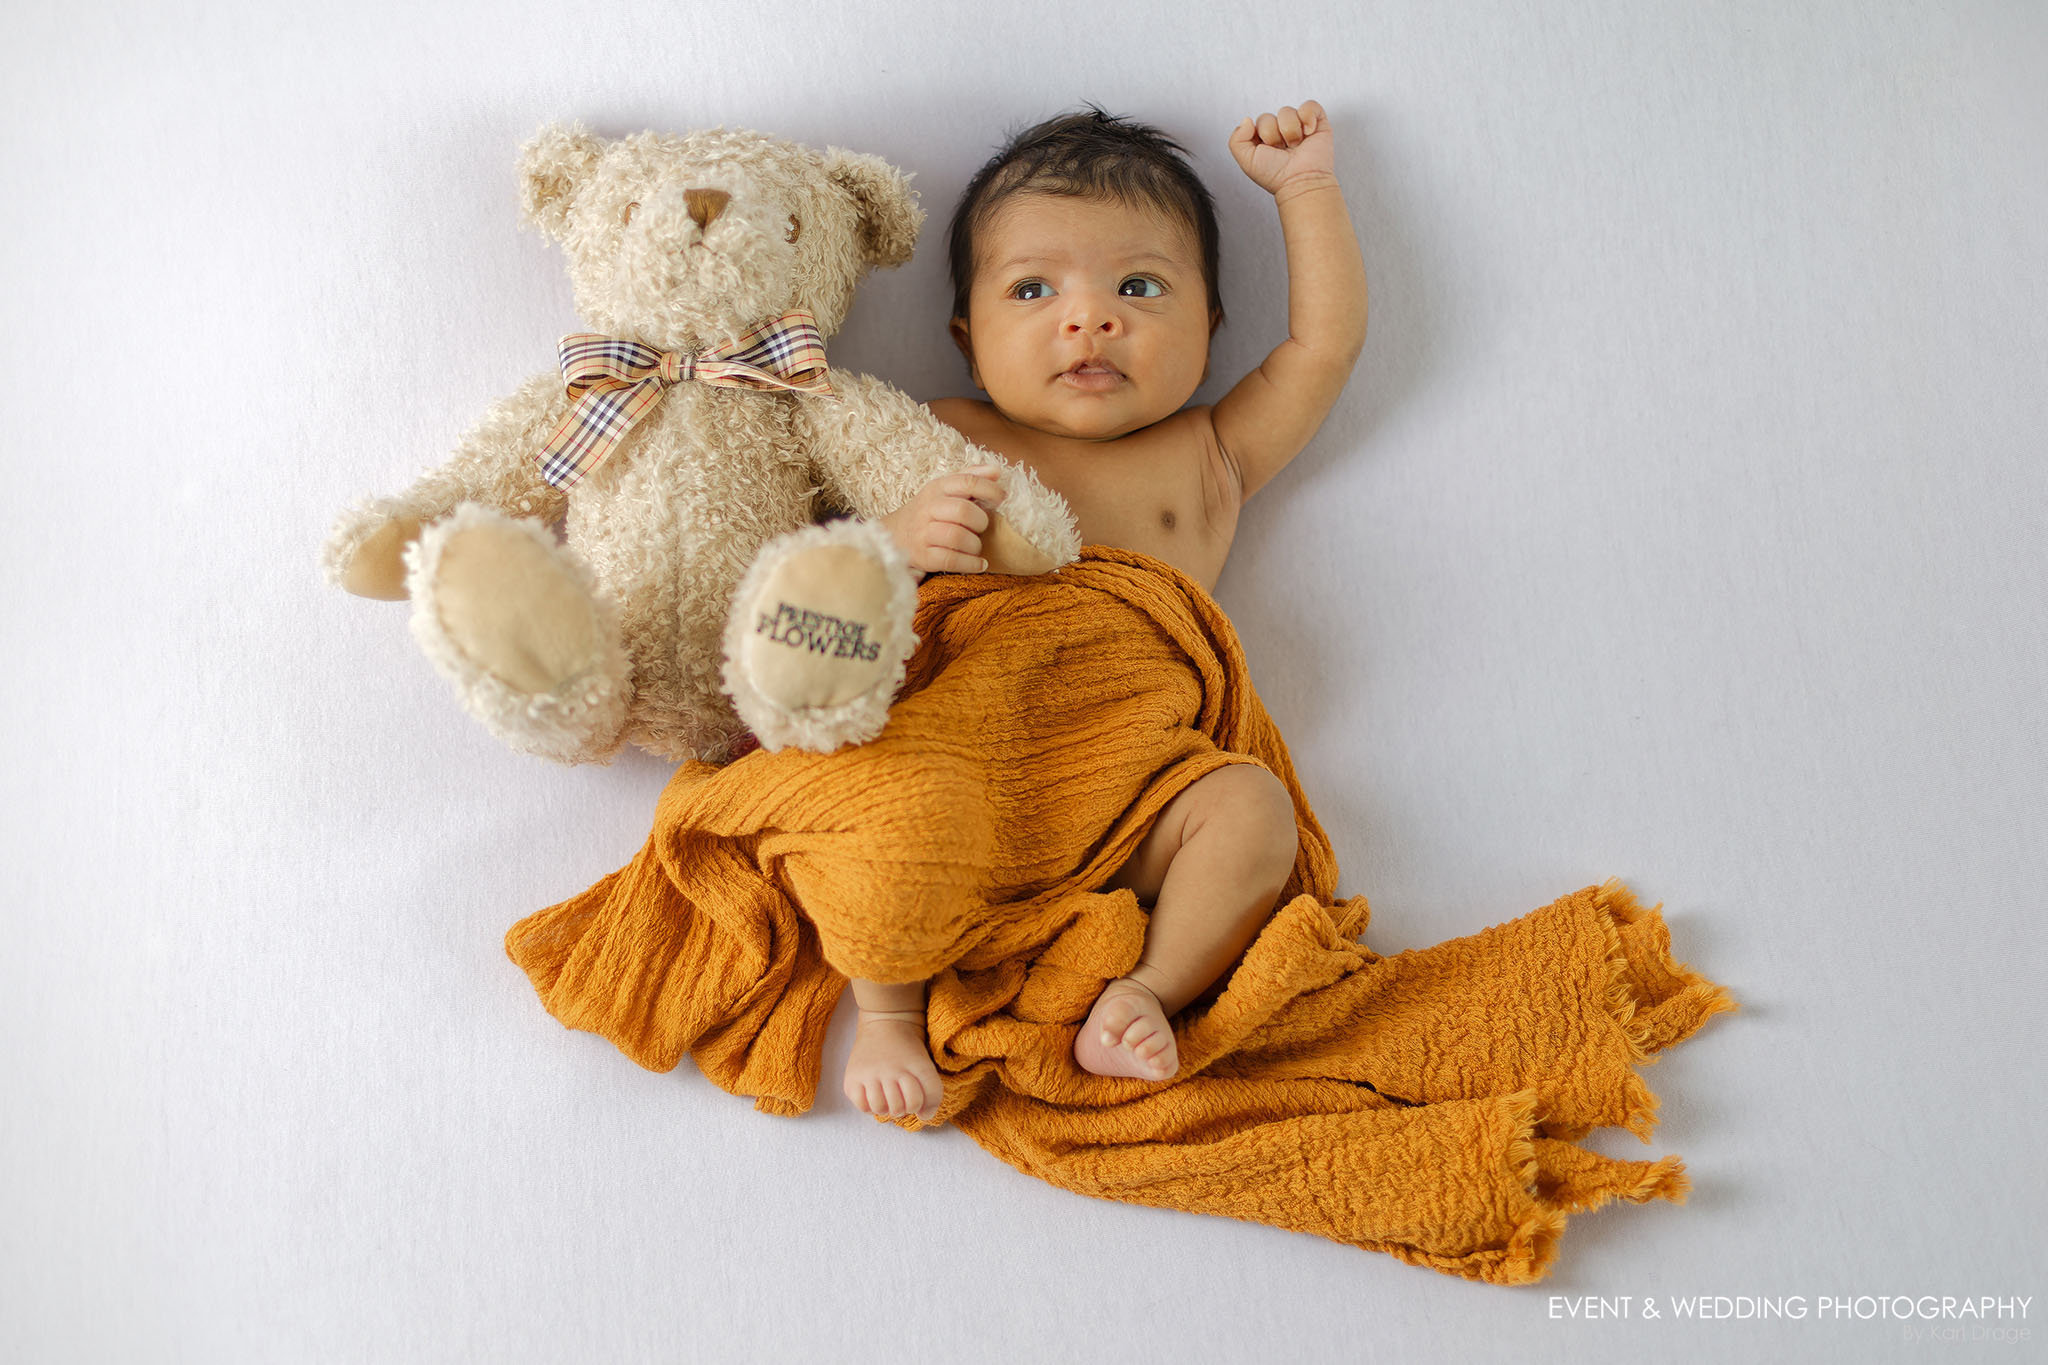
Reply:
x=684, y=448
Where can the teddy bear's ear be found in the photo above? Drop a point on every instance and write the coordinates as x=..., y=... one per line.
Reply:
x=551, y=166
x=889, y=215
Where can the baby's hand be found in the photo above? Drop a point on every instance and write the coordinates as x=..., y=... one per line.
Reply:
x=940, y=527
x=1294, y=144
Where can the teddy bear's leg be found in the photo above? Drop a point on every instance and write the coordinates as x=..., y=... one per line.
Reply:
x=819, y=632
x=517, y=624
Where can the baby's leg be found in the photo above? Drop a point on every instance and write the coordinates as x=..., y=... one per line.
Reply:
x=1213, y=863
x=890, y=1070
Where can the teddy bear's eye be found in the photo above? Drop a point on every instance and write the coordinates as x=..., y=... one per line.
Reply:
x=795, y=228
x=626, y=214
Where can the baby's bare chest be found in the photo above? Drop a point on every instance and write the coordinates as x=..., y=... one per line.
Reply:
x=1162, y=492
x=1162, y=507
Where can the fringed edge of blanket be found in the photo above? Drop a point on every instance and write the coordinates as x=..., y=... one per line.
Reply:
x=1552, y=1180
x=1656, y=1001
x=1532, y=1246
x=1653, y=1014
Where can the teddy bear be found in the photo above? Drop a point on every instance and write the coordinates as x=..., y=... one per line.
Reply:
x=673, y=540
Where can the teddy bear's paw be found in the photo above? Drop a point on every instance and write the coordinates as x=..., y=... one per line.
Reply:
x=1035, y=532
x=365, y=551
x=516, y=623
x=376, y=569
x=1007, y=551
x=819, y=632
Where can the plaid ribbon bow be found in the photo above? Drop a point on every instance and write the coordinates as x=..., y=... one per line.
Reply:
x=617, y=382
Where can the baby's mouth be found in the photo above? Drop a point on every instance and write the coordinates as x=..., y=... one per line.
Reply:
x=1092, y=376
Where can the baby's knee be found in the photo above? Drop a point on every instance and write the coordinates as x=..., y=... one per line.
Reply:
x=1258, y=810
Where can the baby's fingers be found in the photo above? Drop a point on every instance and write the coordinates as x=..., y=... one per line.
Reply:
x=1244, y=144
x=976, y=482
x=960, y=511
x=1287, y=129
x=951, y=535
x=951, y=548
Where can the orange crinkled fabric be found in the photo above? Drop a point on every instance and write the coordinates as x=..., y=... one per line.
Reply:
x=1427, y=1104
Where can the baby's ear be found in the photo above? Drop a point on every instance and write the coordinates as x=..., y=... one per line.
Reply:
x=889, y=215
x=961, y=338
x=552, y=165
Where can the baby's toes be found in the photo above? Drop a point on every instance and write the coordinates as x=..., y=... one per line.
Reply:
x=1133, y=1037
x=1125, y=1035
x=1155, y=1048
x=1120, y=1020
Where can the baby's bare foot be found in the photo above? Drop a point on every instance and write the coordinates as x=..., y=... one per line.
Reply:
x=1127, y=1034
x=890, y=1073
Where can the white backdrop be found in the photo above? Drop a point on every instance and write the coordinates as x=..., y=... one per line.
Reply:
x=1683, y=522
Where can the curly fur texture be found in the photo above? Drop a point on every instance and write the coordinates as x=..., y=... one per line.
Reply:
x=797, y=224
x=670, y=522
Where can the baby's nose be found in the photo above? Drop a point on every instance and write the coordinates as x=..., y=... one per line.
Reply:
x=1088, y=318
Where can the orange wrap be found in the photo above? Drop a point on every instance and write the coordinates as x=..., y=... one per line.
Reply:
x=1424, y=1104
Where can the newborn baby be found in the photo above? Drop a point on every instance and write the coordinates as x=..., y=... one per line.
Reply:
x=1084, y=261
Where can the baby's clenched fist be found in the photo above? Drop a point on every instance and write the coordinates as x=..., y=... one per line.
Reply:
x=1294, y=144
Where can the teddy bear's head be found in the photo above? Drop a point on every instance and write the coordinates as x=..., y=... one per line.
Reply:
x=681, y=242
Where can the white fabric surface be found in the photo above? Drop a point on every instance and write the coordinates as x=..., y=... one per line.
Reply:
x=1683, y=522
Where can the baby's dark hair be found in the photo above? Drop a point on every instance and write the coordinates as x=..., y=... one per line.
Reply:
x=1091, y=155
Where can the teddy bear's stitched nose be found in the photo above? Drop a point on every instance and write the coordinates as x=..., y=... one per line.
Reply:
x=705, y=205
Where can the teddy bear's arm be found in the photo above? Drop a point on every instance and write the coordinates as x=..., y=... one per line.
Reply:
x=493, y=464
x=873, y=446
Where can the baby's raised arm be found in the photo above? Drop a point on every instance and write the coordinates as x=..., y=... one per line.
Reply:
x=1270, y=415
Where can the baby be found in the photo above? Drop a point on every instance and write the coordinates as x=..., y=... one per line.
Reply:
x=1084, y=261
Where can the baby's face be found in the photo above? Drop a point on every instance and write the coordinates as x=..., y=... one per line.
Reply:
x=1087, y=318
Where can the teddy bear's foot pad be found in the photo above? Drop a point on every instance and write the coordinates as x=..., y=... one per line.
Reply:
x=514, y=610
x=819, y=634
x=514, y=621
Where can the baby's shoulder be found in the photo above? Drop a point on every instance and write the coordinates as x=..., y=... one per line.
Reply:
x=954, y=411
x=1190, y=435
x=978, y=421
x=1189, y=426
x=1222, y=486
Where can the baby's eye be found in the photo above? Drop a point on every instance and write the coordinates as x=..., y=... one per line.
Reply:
x=1141, y=287
x=1031, y=289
